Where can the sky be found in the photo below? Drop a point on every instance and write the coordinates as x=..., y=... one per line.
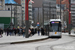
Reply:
x=10, y=1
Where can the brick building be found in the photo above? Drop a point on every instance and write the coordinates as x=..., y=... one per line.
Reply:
x=63, y=2
x=18, y=1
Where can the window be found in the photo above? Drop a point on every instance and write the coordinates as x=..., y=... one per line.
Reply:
x=58, y=13
x=22, y=7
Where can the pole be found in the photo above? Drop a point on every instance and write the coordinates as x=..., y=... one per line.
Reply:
x=16, y=15
x=22, y=19
x=47, y=15
x=38, y=16
x=49, y=11
x=53, y=16
x=11, y=16
x=22, y=15
x=33, y=17
x=43, y=14
x=69, y=17
x=26, y=18
x=60, y=9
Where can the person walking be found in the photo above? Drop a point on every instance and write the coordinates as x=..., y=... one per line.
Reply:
x=38, y=31
x=7, y=31
x=32, y=31
x=42, y=31
x=14, y=29
x=20, y=31
x=17, y=31
x=29, y=32
x=0, y=32
x=23, y=31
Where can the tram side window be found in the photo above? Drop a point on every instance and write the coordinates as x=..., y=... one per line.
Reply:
x=60, y=24
x=50, y=27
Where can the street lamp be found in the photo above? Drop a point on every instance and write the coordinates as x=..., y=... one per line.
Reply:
x=60, y=9
x=43, y=13
x=11, y=17
x=27, y=17
x=69, y=17
x=69, y=10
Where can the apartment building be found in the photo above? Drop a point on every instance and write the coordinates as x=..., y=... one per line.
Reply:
x=2, y=4
x=73, y=12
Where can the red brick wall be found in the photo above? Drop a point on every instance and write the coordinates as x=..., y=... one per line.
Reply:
x=18, y=1
x=63, y=2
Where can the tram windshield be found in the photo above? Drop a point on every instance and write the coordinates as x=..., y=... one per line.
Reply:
x=55, y=26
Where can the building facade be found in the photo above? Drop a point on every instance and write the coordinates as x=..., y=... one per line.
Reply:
x=18, y=1
x=23, y=10
x=50, y=6
x=2, y=4
x=17, y=12
x=73, y=12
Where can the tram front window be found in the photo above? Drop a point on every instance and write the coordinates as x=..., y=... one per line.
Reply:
x=55, y=27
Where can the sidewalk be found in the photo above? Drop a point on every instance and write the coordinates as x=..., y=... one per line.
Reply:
x=72, y=34
x=20, y=39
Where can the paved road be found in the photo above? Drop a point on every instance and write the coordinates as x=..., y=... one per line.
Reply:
x=65, y=43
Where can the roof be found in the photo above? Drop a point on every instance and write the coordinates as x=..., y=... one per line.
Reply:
x=10, y=1
x=55, y=20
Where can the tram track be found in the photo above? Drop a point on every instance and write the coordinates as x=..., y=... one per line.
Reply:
x=50, y=47
x=61, y=44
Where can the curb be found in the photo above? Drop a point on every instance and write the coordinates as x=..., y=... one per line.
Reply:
x=19, y=42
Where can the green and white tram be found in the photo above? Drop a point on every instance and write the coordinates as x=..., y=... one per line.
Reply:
x=55, y=28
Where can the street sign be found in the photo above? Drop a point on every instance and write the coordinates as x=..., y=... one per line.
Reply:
x=37, y=23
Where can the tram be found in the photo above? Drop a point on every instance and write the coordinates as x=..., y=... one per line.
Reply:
x=55, y=28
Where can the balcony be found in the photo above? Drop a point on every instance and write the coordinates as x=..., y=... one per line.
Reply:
x=73, y=15
x=30, y=10
x=72, y=8
x=72, y=5
x=72, y=11
x=73, y=18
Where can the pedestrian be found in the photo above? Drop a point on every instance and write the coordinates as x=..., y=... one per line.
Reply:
x=7, y=31
x=17, y=31
x=29, y=34
x=10, y=31
x=20, y=31
x=1, y=32
x=38, y=31
x=14, y=30
x=42, y=31
x=35, y=30
x=32, y=31
x=23, y=31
